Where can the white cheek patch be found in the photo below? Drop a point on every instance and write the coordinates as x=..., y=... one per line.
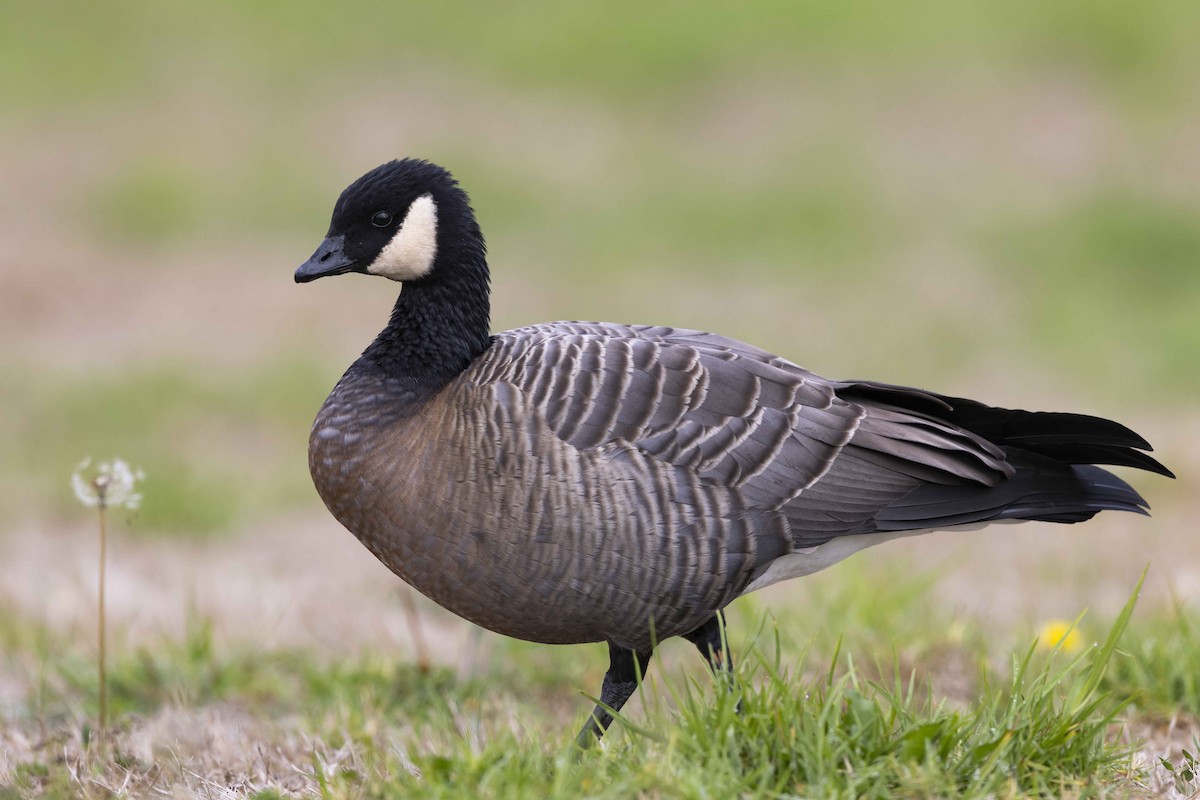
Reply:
x=410, y=253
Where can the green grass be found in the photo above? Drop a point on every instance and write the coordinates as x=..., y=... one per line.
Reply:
x=846, y=737
x=195, y=671
x=1160, y=665
x=377, y=727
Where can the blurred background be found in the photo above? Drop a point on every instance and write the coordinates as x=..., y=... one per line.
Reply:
x=996, y=200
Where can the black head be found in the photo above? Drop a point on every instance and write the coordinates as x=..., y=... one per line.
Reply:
x=399, y=220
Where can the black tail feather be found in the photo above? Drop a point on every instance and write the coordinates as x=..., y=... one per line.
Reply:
x=1040, y=490
x=1066, y=438
x=1052, y=453
x=1070, y=438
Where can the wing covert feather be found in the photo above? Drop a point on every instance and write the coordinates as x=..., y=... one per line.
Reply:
x=735, y=415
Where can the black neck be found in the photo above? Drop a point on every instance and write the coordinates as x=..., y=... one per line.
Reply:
x=439, y=325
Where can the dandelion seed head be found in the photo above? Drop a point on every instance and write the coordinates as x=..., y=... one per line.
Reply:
x=110, y=485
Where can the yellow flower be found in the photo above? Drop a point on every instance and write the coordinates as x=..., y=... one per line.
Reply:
x=1059, y=633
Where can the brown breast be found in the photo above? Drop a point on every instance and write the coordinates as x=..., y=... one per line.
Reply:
x=479, y=506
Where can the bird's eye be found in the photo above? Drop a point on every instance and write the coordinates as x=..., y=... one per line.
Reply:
x=381, y=219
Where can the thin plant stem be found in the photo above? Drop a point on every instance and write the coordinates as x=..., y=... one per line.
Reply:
x=103, y=637
x=414, y=628
x=113, y=484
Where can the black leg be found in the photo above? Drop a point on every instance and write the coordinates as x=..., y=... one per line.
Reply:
x=625, y=668
x=707, y=639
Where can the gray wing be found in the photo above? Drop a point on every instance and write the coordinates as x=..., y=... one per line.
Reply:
x=774, y=434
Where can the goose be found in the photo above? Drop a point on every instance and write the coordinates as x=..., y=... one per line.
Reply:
x=574, y=482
